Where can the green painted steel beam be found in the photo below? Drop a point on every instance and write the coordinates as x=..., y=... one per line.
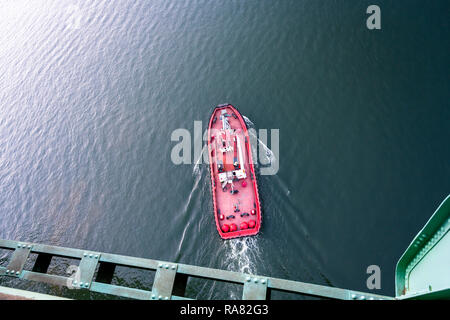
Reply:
x=255, y=286
x=45, y=278
x=434, y=295
x=7, y=293
x=87, y=267
x=164, y=281
x=323, y=291
x=18, y=260
x=130, y=261
x=424, y=268
x=120, y=291
x=255, y=289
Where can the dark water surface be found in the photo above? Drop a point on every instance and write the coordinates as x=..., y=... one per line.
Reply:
x=90, y=93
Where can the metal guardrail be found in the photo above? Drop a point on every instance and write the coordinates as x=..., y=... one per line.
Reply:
x=7, y=293
x=95, y=272
x=423, y=269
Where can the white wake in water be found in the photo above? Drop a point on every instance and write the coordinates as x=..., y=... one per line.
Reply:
x=196, y=169
x=241, y=254
x=248, y=122
x=265, y=158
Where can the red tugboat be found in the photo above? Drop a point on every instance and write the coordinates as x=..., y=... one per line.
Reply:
x=233, y=182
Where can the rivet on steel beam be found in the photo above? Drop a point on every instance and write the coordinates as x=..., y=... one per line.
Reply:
x=363, y=298
x=85, y=254
x=160, y=297
x=74, y=282
x=153, y=296
x=353, y=296
x=247, y=279
x=173, y=267
x=166, y=298
x=166, y=266
x=90, y=256
x=263, y=281
x=86, y=284
x=7, y=271
x=160, y=265
x=17, y=273
x=81, y=284
x=18, y=246
x=255, y=280
x=29, y=247
x=12, y=271
x=96, y=256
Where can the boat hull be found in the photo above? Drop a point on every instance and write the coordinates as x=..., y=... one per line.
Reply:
x=234, y=187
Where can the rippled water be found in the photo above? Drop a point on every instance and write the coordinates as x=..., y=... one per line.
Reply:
x=90, y=93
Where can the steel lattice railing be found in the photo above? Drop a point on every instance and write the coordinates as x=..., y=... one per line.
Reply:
x=95, y=270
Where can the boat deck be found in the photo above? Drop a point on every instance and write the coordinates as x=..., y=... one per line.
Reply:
x=242, y=206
